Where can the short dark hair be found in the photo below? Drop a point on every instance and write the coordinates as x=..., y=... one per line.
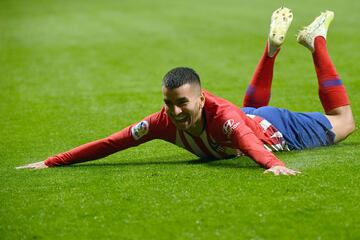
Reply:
x=179, y=76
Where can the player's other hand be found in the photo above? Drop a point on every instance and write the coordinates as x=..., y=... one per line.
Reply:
x=281, y=170
x=37, y=165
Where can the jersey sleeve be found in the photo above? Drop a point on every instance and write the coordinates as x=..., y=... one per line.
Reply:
x=243, y=138
x=151, y=127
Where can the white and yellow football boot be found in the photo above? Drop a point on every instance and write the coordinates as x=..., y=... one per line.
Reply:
x=318, y=27
x=280, y=23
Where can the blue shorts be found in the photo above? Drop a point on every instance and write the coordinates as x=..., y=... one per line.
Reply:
x=300, y=130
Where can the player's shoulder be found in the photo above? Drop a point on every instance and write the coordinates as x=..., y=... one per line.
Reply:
x=219, y=108
x=212, y=99
x=159, y=118
x=222, y=116
x=154, y=126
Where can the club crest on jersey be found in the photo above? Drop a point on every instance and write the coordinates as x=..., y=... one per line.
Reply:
x=229, y=126
x=140, y=129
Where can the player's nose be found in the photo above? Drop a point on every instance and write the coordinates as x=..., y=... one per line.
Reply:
x=177, y=110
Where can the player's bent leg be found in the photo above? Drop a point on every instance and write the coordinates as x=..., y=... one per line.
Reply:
x=332, y=92
x=259, y=90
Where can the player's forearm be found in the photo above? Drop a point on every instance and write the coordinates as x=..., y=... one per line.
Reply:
x=87, y=152
x=95, y=150
x=266, y=160
x=251, y=146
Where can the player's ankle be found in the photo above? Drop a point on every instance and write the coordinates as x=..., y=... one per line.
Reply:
x=272, y=49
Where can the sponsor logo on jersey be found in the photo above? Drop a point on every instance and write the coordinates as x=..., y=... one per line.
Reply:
x=140, y=129
x=229, y=126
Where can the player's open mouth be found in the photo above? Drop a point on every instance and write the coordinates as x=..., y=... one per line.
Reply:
x=180, y=119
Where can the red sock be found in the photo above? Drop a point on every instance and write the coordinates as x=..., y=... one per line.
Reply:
x=259, y=91
x=332, y=92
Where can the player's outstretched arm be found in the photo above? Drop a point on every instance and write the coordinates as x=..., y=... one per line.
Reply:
x=130, y=136
x=37, y=165
x=281, y=170
x=89, y=151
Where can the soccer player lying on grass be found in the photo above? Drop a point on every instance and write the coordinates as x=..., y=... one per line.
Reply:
x=211, y=127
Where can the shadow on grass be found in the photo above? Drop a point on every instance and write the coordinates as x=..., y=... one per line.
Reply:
x=239, y=162
x=225, y=163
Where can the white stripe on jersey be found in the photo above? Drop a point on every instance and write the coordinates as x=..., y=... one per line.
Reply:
x=265, y=124
x=250, y=115
x=194, y=146
x=178, y=140
x=280, y=147
x=276, y=147
x=267, y=148
x=277, y=135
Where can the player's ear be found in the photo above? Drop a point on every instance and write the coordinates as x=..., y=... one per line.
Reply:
x=202, y=100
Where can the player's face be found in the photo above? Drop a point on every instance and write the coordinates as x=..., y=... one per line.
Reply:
x=184, y=106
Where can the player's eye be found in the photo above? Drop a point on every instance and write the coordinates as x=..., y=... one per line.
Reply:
x=182, y=104
x=168, y=104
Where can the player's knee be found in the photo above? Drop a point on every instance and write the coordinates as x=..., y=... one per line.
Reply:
x=352, y=125
x=343, y=122
x=347, y=127
x=343, y=125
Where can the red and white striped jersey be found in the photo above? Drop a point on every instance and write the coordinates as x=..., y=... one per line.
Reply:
x=228, y=132
x=205, y=146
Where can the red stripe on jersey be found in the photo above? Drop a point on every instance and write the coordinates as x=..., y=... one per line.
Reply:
x=202, y=146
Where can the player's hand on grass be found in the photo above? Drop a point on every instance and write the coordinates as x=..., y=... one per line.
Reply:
x=281, y=170
x=37, y=165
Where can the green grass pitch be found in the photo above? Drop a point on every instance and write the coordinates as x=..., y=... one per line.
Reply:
x=76, y=71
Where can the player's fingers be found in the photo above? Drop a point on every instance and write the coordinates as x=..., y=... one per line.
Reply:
x=40, y=167
x=22, y=167
x=271, y=171
x=289, y=171
x=294, y=172
x=284, y=172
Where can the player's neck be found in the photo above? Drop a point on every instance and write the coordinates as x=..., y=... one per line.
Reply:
x=199, y=126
